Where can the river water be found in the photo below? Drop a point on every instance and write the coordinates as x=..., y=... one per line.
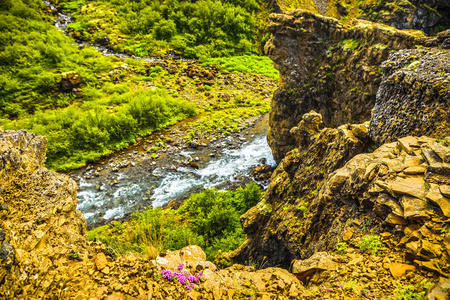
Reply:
x=100, y=200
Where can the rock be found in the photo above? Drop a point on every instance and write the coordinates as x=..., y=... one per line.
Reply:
x=100, y=261
x=434, y=195
x=399, y=270
x=445, y=190
x=397, y=114
x=69, y=81
x=414, y=187
x=320, y=261
x=441, y=290
x=6, y=251
x=193, y=253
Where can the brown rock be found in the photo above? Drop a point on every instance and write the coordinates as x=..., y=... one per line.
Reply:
x=410, y=186
x=434, y=195
x=347, y=235
x=415, y=208
x=399, y=270
x=445, y=190
x=306, y=268
x=100, y=261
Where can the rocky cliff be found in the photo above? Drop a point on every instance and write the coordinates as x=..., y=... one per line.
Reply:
x=414, y=96
x=331, y=191
x=332, y=185
x=326, y=66
x=38, y=220
x=430, y=16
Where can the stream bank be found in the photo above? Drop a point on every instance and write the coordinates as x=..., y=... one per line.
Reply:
x=135, y=179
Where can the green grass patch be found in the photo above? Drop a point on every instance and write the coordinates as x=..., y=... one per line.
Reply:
x=247, y=63
x=78, y=135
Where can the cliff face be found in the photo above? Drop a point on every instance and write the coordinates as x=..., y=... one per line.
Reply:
x=39, y=222
x=316, y=199
x=328, y=186
x=428, y=15
x=326, y=66
x=414, y=96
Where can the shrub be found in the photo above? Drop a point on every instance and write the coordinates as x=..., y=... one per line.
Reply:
x=372, y=243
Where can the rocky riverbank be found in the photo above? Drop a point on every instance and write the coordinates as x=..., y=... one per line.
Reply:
x=142, y=175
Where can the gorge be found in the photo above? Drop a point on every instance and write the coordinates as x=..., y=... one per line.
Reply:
x=357, y=207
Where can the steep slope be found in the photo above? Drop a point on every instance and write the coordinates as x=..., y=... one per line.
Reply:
x=39, y=223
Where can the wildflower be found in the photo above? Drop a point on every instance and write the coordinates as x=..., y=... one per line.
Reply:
x=328, y=290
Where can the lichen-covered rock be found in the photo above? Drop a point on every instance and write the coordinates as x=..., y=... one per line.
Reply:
x=41, y=224
x=328, y=67
x=414, y=96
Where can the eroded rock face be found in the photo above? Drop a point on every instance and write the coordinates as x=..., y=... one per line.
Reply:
x=41, y=223
x=290, y=220
x=327, y=67
x=400, y=189
x=428, y=15
x=414, y=96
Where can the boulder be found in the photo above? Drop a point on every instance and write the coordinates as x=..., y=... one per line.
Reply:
x=69, y=81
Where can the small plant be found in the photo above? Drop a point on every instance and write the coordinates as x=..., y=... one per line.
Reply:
x=445, y=232
x=303, y=208
x=341, y=247
x=75, y=255
x=410, y=292
x=183, y=276
x=372, y=243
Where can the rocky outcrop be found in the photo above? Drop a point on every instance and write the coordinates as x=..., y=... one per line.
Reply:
x=290, y=219
x=39, y=223
x=428, y=15
x=414, y=96
x=326, y=66
x=316, y=199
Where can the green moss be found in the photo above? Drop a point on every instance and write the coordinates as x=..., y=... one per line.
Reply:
x=349, y=45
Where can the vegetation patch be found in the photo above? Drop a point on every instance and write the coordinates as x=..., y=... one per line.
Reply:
x=248, y=64
x=349, y=45
x=209, y=219
x=206, y=28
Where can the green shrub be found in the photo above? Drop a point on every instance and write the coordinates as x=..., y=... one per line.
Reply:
x=372, y=243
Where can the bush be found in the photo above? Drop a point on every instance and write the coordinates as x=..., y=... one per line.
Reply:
x=372, y=243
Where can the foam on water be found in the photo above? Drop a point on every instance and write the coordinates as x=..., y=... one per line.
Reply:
x=232, y=164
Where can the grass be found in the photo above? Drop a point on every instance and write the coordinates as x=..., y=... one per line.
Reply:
x=371, y=243
x=247, y=63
